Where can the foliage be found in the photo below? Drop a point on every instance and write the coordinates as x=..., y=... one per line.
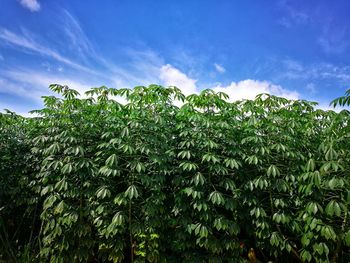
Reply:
x=18, y=201
x=342, y=101
x=93, y=180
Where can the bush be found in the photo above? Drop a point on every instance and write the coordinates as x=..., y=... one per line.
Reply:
x=93, y=180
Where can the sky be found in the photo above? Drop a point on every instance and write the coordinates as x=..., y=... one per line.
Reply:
x=295, y=49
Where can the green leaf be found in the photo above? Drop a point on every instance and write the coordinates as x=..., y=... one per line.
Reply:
x=310, y=165
x=198, y=179
x=187, y=166
x=118, y=219
x=125, y=132
x=337, y=210
x=61, y=185
x=46, y=189
x=306, y=256
x=305, y=241
x=49, y=201
x=112, y=160
x=60, y=207
x=184, y=154
x=312, y=208
x=273, y=170
x=333, y=208
x=232, y=163
x=347, y=238
x=216, y=198
x=67, y=168
x=131, y=192
x=140, y=167
x=203, y=232
x=103, y=192
x=333, y=183
x=79, y=151
x=209, y=157
x=274, y=240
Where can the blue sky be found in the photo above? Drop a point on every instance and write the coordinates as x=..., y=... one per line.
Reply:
x=296, y=49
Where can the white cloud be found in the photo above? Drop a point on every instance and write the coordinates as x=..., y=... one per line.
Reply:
x=219, y=68
x=248, y=89
x=245, y=89
x=172, y=76
x=32, y=5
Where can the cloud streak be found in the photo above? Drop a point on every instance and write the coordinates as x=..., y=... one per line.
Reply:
x=331, y=33
x=319, y=71
x=292, y=15
x=34, y=84
x=334, y=39
x=32, y=5
x=29, y=44
x=219, y=68
x=77, y=38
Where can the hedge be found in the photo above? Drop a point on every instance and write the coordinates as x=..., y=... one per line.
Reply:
x=93, y=180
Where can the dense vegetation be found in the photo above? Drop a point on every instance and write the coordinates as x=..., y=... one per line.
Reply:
x=92, y=180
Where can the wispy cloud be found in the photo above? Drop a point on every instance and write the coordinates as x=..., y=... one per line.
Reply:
x=311, y=88
x=15, y=87
x=331, y=34
x=143, y=67
x=34, y=84
x=219, y=68
x=334, y=38
x=293, y=69
x=32, y=5
x=79, y=42
x=292, y=15
x=25, y=42
x=293, y=65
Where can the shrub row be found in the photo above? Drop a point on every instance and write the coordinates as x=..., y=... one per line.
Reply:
x=93, y=180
